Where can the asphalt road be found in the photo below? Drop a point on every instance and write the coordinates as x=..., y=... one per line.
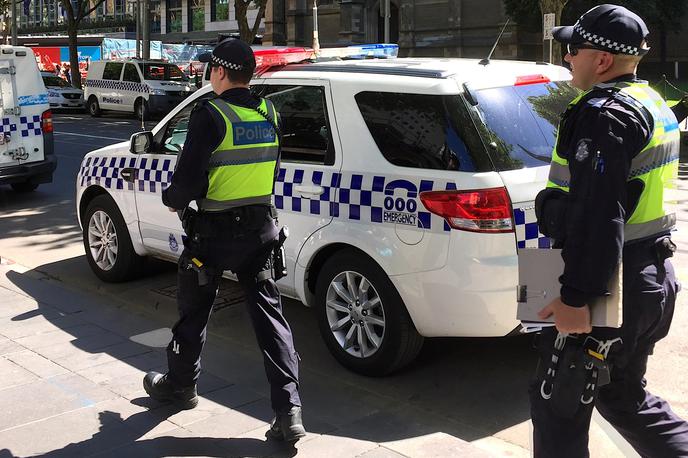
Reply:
x=481, y=383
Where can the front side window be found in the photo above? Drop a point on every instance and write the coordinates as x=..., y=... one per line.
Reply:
x=131, y=74
x=304, y=123
x=172, y=141
x=423, y=131
x=112, y=70
x=163, y=72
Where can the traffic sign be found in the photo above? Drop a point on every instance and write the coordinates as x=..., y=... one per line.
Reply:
x=547, y=26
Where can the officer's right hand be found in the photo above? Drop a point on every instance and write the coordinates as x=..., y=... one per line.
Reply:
x=567, y=319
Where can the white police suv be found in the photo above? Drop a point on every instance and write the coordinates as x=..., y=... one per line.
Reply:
x=407, y=186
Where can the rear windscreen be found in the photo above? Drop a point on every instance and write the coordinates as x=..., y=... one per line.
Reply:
x=520, y=122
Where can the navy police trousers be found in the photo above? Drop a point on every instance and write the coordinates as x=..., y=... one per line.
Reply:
x=240, y=241
x=646, y=421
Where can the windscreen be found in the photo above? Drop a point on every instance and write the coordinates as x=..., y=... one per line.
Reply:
x=520, y=122
x=163, y=72
x=54, y=81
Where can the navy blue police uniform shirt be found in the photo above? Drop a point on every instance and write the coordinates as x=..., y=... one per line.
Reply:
x=600, y=140
x=205, y=132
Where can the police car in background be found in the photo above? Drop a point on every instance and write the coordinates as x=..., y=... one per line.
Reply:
x=27, y=156
x=145, y=88
x=407, y=185
x=61, y=94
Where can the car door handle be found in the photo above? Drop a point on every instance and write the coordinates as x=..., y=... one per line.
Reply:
x=309, y=190
x=128, y=174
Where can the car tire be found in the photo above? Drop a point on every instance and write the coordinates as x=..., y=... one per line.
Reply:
x=141, y=110
x=380, y=319
x=94, y=106
x=24, y=187
x=108, y=246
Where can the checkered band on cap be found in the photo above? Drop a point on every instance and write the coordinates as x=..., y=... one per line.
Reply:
x=224, y=63
x=605, y=42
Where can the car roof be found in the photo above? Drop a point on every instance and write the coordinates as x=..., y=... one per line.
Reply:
x=495, y=73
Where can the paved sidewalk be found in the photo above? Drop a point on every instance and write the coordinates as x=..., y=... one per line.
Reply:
x=72, y=365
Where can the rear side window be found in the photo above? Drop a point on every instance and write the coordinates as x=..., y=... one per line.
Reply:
x=423, y=131
x=304, y=123
x=520, y=122
x=112, y=70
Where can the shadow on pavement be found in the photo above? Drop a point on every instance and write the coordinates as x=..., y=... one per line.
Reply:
x=468, y=388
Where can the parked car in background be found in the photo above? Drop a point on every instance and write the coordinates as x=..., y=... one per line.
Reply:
x=61, y=94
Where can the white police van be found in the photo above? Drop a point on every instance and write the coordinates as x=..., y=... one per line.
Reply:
x=27, y=156
x=142, y=87
x=407, y=185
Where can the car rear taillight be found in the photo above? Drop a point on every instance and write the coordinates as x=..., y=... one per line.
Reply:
x=484, y=210
x=531, y=79
x=47, y=122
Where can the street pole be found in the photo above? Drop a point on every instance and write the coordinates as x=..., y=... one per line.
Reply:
x=146, y=30
x=316, y=42
x=387, y=14
x=14, y=22
x=138, y=29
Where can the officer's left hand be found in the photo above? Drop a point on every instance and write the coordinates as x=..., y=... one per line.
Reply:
x=171, y=209
x=571, y=320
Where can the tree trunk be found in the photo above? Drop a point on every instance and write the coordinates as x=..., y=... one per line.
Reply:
x=663, y=51
x=72, y=29
x=261, y=15
x=240, y=9
x=556, y=7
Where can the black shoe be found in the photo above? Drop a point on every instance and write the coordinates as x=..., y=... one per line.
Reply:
x=160, y=387
x=287, y=426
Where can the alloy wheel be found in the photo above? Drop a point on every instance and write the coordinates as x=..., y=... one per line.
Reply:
x=355, y=314
x=102, y=240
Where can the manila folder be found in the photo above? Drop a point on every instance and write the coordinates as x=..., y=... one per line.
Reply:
x=538, y=285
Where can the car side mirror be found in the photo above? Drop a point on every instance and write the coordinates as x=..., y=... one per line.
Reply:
x=141, y=142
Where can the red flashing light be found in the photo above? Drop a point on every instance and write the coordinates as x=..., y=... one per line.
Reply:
x=47, y=122
x=484, y=210
x=531, y=79
x=266, y=58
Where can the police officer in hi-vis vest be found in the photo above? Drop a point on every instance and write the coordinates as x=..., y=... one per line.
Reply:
x=616, y=153
x=228, y=166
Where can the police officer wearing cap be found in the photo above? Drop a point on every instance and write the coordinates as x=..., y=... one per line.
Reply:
x=228, y=166
x=617, y=151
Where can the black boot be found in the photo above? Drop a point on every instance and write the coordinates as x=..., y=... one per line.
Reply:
x=287, y=426
x=160, y=387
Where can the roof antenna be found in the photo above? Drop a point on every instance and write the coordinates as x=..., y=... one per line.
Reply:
x=487, y=60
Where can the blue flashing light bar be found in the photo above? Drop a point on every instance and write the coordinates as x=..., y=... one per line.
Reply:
x=378, y=50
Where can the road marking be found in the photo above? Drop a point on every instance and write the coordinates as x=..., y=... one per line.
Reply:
x=92, y=136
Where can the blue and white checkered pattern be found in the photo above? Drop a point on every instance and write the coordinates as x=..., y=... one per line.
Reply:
x=154, y=175
x=118, y=85
x=527, y=234
x=30, y=126
x=7, y=126
x=104, y=171
x=353, y=197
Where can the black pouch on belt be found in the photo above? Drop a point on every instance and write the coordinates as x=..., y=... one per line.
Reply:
x=569, y=382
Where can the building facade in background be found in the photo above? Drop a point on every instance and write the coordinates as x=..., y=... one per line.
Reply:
x=170, y=20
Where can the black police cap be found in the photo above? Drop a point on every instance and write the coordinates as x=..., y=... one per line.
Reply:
x=232, y=54
x=609, y=27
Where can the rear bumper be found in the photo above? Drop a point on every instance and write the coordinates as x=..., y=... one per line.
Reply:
x=33, y=172
x=474, y=295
